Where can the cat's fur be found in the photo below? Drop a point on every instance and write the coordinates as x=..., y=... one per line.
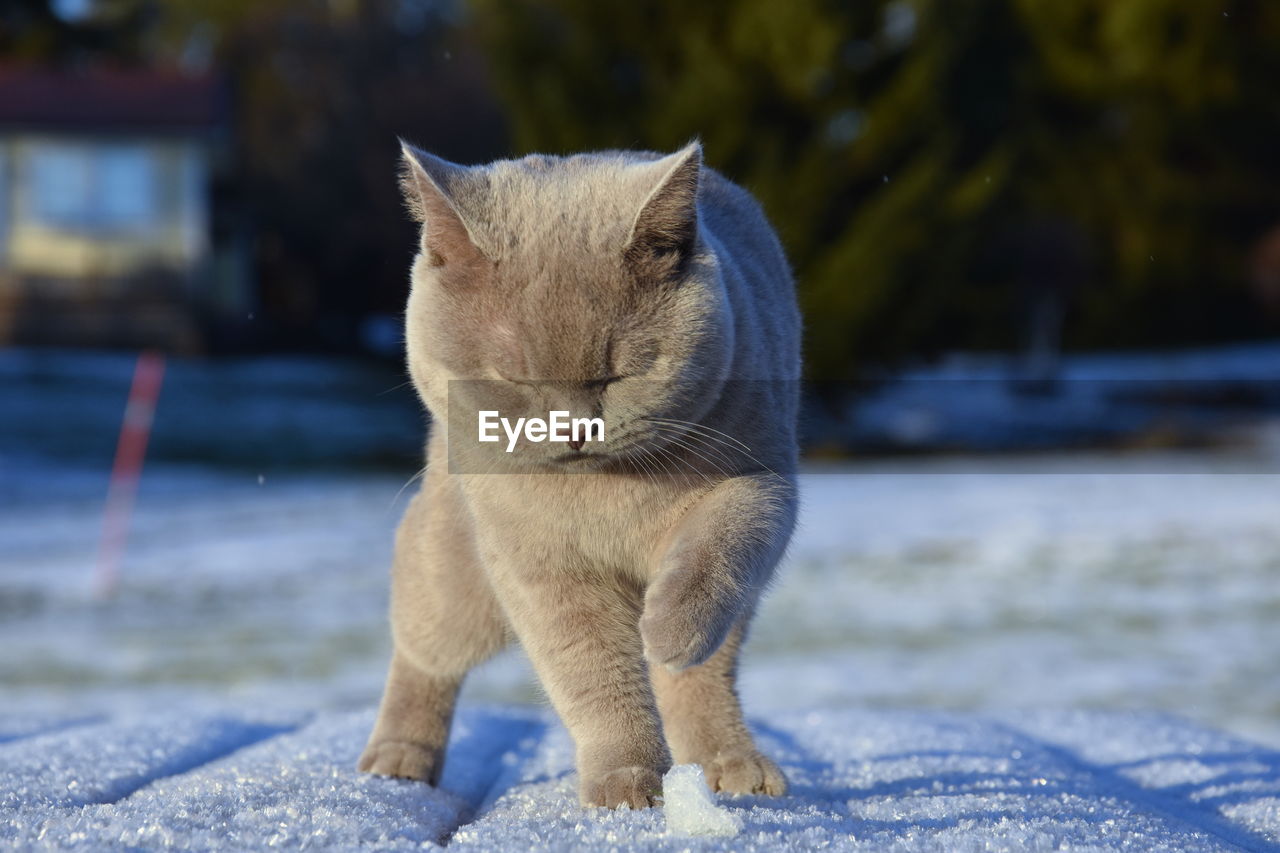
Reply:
x=636, y=287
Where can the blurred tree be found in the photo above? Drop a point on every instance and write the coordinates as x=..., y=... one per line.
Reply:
x=49, y=31
x=323, y=88
x=945, y=173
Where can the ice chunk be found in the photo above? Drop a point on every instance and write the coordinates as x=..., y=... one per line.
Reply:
x=691, y=808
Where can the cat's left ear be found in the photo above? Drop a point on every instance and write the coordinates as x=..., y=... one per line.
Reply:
x=665, y=230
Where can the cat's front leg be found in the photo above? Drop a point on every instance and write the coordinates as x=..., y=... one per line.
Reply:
x=445, y=620
x=578, y=627
x=708, y=575
x=703, y=722
x=408, y=740
x=710, y=569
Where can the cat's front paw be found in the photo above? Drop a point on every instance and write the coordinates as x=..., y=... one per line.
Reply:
x=402, y=760
x=636, y=787
x=683, y=623
x=745, y=773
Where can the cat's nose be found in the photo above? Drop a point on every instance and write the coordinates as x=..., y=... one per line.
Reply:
x=567, y=434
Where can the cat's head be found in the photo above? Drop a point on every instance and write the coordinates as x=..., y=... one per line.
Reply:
x=581, y=284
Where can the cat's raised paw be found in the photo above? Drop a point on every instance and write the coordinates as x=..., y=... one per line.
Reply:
x=682, y=624
x=636, y=787
x=400, y=759
x=745, y=773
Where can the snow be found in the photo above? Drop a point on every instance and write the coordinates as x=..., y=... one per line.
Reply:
x=258, y=413
x=991, y=402
x=194, y=782
x=221, y=699
x=690, y=807
x=1016, y=653
x=1145, y=583
x=861, y=780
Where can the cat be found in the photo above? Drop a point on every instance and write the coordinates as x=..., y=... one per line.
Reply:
x=650, y=291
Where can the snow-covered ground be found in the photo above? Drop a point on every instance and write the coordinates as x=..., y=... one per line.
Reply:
x=969, y=653
x=961, y=584
x=991, y=402
x=946, y=663
x=861, y=780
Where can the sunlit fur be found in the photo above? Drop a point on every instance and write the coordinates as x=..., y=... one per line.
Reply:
x=649, y=291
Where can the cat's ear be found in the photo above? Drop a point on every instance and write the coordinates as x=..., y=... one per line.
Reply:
x=430, y=185
x=665, y=230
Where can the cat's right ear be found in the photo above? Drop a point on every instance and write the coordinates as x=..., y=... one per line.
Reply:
x=430, y=185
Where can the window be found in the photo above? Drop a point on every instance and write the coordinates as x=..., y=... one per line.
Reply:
x=61, y=179
x=126, y=186
x=88, y=187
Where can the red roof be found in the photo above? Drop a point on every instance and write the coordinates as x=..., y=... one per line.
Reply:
x=102, y=99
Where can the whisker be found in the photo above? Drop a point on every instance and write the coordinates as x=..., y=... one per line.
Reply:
x=407, y=483
x=691, y=432
x=649, y=454
x=707, y=435
x=637, y=464
x=689, y=465
x=679, y=440
x=664, y=458
x=697, y=426
x=644, y=464
x=396, y=387
x=706, y=444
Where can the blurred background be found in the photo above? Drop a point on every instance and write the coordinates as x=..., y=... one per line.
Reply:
x=1038, y=251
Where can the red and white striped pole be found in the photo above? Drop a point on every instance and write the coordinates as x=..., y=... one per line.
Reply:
x=135, y=431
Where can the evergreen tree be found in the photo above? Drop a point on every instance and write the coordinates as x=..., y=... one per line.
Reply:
x=944, y=173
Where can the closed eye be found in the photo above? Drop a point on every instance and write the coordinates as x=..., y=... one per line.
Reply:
x=603, y=382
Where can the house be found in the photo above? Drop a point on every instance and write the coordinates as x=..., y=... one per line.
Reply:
x=106, y=217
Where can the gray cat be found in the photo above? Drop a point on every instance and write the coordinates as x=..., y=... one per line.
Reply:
x=650, y=292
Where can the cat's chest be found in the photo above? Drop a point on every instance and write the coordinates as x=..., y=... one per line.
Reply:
x=615, y=521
